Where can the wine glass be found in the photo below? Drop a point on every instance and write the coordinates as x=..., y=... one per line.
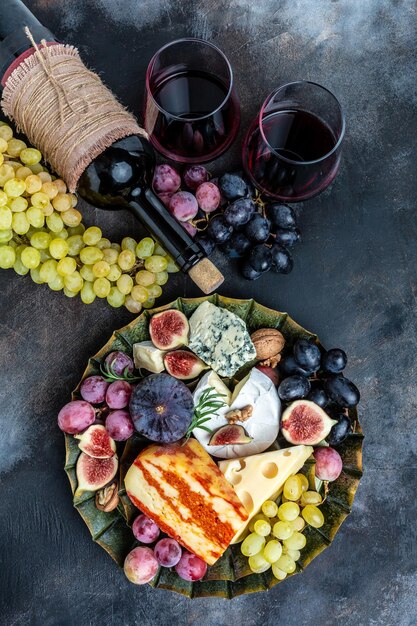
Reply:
x=292, y=149
x=192, y=112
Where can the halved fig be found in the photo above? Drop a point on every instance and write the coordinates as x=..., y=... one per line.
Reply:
x=169, y=329
x=183, y=365
x=96, y=442
x=304, y=422
x=94, y=474
x=229, y=435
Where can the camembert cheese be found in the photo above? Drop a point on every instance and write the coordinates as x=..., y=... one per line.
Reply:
x=181, y=488
x=262, y=476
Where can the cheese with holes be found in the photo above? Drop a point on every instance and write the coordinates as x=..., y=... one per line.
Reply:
x=262, y=476
x=220, y=338
x=181, y=488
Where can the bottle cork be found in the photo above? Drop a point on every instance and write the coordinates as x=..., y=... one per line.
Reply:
x=206, y=276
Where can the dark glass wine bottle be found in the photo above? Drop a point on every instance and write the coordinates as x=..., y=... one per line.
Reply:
x=120, y=177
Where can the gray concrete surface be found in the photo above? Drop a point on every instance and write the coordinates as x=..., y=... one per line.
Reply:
x=354, y=283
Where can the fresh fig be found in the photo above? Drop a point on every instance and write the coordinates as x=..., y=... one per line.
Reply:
x=94, y=474
x=183, y=365
x=169, y=329
x=96, y=442
x=304, y=422
x=161, y=408
x=229, y=435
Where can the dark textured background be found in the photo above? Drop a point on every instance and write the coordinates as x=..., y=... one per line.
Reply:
x=354, y=283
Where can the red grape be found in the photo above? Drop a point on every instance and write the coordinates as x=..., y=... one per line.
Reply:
x=76, y=416
x=190, y=228
x=93, y=389
x=183, y=206
x=118, y=394
x=328, y=463
x=145, y=530
x=118, y=362
x=190, y=567
x=167, y=552
x=195, y=175
x=119, y=425
x=140, y=565
x=166, y=179
x=208, y=197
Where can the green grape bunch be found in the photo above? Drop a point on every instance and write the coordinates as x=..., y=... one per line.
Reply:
x=42, y=234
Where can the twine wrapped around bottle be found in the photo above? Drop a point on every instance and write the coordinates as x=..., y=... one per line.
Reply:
x=64, y=109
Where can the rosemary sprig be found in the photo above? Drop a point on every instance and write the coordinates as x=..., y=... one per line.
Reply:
x=110, y=375
x=208, y=405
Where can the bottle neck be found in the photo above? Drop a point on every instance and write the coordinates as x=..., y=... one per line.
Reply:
x=148, y=208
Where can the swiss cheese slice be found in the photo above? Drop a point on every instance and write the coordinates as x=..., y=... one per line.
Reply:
x=262, y=476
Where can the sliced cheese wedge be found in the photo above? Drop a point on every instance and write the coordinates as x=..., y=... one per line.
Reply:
x=262, y=476
x=181, y=488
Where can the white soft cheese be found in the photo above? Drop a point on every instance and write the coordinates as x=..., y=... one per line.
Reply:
x=263, y=425
x=147, y=357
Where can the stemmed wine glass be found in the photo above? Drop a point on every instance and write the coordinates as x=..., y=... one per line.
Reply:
x=292, y=149
x=192, y=112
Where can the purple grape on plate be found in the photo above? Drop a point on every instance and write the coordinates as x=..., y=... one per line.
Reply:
x=119, y=425
x=118, y=363
x=145, y=529
x=118, y=394
x=93, y=389
x=168, y=552
x=190, y=567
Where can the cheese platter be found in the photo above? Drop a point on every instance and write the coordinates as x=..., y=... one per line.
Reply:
x=213, y=447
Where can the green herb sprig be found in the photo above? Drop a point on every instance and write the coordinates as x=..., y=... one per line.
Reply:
x=207, y=406
x=110, y=375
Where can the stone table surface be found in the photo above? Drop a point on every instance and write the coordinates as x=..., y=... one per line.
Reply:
x=354, y=284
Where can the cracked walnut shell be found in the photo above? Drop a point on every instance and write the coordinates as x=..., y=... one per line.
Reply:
x=268, y=343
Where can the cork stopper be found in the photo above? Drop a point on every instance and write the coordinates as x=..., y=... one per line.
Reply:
x=206, y=276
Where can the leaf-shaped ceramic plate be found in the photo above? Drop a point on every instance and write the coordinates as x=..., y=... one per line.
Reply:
x=230, y=576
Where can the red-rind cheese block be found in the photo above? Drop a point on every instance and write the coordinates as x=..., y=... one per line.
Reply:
x=181, y=488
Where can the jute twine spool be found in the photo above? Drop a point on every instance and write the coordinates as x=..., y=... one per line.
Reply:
x=64, y=109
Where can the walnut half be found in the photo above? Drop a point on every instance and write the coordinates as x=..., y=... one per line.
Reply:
x=107, y=498
x=239, y=415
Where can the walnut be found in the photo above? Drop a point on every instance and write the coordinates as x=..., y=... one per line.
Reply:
x=239, y=415
x=272, y=361
x=268, y=343
x=107, y=498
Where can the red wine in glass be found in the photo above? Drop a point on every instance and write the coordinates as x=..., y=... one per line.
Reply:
x=191, y=114
x=293, y=153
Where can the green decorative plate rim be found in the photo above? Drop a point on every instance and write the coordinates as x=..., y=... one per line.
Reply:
x=230, y=576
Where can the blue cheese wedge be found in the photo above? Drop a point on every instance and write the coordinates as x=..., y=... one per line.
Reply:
x=220, y=339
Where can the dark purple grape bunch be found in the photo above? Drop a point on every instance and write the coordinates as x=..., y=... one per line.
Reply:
x=318, y=376
x=262, y=241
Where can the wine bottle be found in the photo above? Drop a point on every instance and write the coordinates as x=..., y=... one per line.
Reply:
x=121, y=176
